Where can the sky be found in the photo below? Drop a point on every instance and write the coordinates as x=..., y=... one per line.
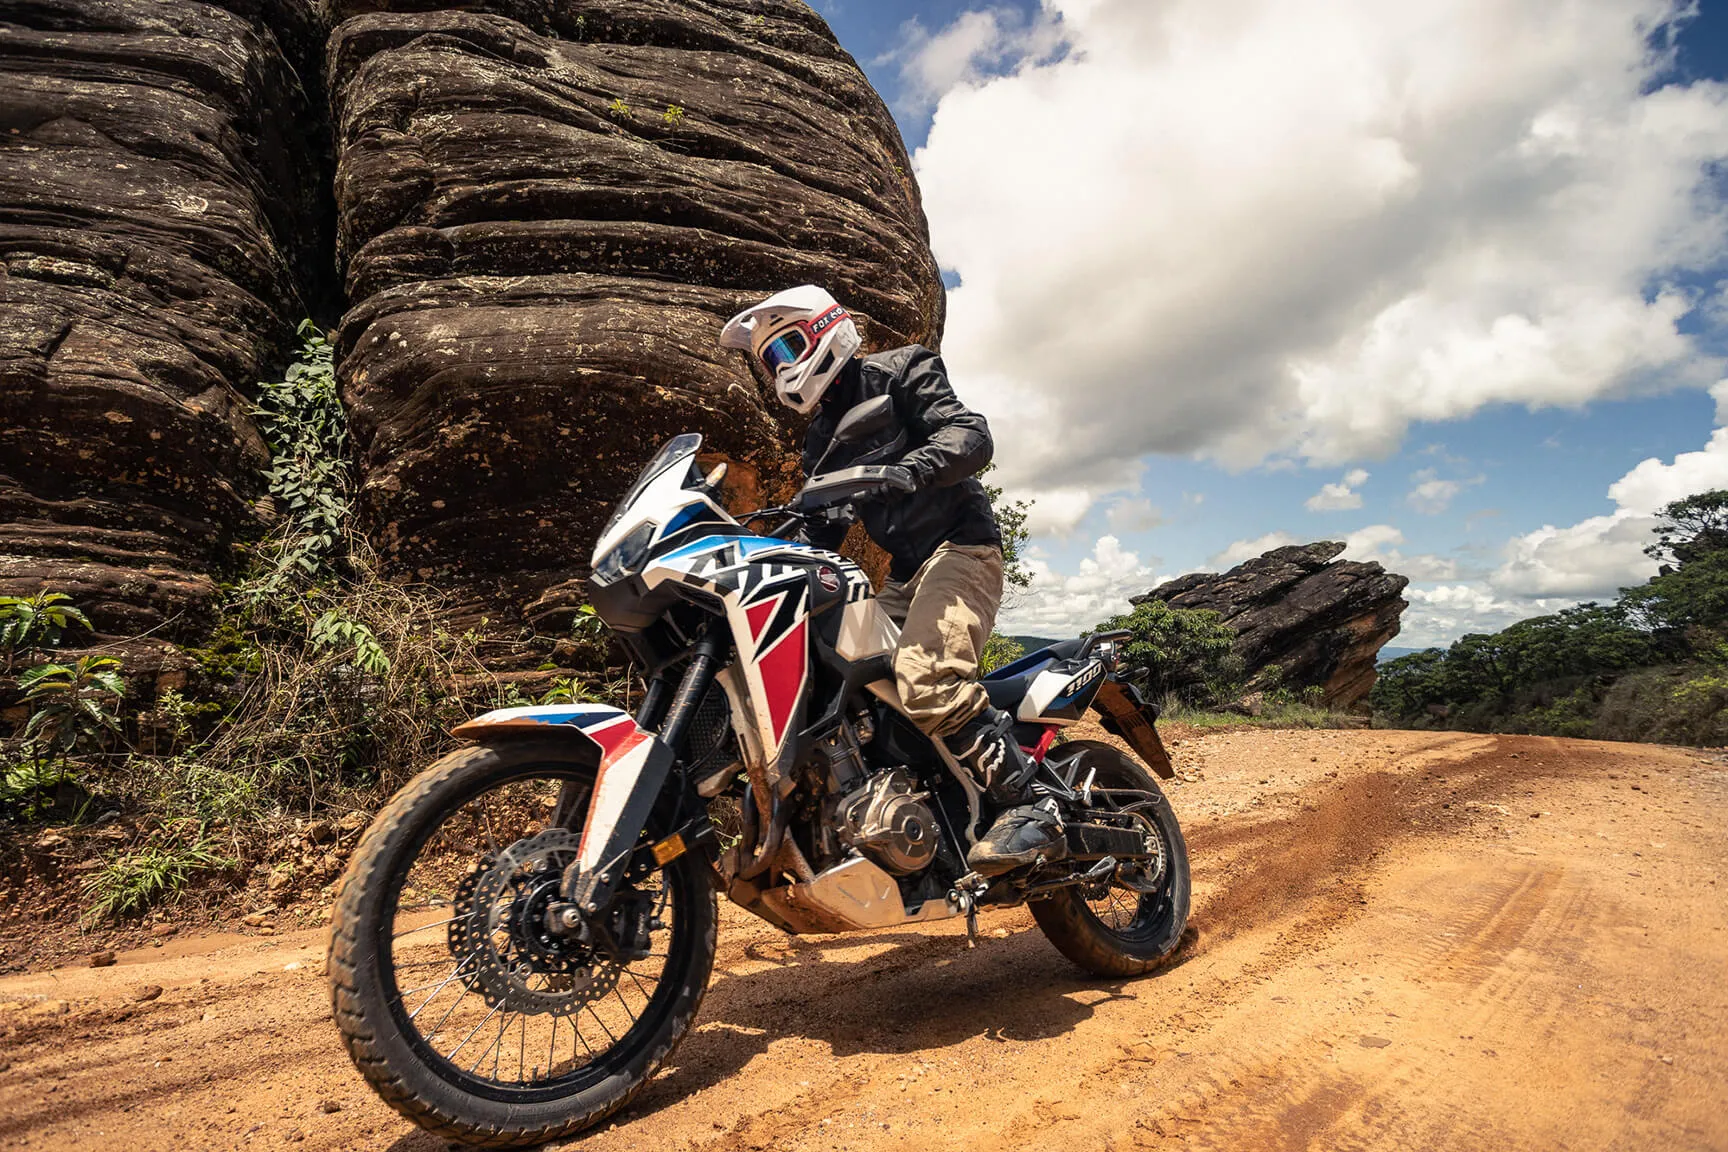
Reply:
x=1446, y=280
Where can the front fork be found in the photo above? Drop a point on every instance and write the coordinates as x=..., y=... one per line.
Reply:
x=626, y=791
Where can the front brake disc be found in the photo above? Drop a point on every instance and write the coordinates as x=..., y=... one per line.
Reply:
x=511, y=961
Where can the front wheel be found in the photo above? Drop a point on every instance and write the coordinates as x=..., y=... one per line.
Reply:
x=1131, y=923
x=456, y=1000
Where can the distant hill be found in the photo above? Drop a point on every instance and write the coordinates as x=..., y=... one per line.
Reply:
x=1033, y=643
x=1390, y=653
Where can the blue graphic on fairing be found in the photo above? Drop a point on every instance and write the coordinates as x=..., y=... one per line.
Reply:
x=579, y=716
x=747, y=546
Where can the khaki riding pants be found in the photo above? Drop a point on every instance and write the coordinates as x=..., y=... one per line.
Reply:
x=945, y=613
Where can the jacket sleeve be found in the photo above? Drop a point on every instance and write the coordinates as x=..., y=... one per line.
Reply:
x=954, y=440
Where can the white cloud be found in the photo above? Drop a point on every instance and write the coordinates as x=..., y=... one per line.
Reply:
x=1593, y=559
x=1133, y=514
x=1248, y=549
x=1439, y=615
x=1235, y=228
x=1379, y=543
x=1339, y=497
x=965, y=52
x=1058, y=605
x=1432, y=495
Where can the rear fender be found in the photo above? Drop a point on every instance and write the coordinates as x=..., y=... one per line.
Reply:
x=632, y=769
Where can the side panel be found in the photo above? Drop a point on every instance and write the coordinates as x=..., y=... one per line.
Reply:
x=866, y=631
x=1061, y=697
x=764, y=585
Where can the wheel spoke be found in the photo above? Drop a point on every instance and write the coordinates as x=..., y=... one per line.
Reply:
x=493, y=865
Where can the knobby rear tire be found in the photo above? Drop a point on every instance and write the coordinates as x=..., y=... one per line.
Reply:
x=381, y=1048
x=1069, y=924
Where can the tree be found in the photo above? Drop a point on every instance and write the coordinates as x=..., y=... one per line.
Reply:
x=1179, y=651
x=1691, y=529
x=1405, y=687
x=1011, y=519
x=1684, y=608
x=1000, y=650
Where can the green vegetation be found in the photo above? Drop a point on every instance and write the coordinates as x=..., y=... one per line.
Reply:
x=36, y=622
x=1178, y=655
x=73, y=706
x=1276, y=708
x=319, y=688
x=674, y=114
x=135, y=880
x=999, y=650
x=1011, y=520
x=1651, y=666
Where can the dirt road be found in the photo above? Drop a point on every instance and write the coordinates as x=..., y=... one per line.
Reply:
x=1407, y=941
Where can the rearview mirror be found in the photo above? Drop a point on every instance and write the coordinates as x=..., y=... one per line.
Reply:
x=867, y=418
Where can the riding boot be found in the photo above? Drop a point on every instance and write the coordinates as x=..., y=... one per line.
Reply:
x=1022, y=833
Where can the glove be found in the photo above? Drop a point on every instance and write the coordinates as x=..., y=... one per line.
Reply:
x=897, y=481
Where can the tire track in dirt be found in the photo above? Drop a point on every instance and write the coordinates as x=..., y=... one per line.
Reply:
x=1377, y=966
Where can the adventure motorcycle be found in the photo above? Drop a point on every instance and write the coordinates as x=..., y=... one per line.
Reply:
x=526, y=931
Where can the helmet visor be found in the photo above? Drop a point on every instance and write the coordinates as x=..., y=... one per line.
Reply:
x=787, y=348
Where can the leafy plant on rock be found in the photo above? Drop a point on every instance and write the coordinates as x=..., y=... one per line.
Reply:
x=73, y=706
x=39, y=621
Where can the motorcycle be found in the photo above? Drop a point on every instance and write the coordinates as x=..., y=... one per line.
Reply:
x=526, y=931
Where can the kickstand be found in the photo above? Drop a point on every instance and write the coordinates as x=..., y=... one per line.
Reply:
x=971, y=926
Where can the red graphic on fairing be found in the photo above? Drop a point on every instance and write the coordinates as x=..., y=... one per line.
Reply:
x=778, y=635
x=622, y=750
x=782, y=669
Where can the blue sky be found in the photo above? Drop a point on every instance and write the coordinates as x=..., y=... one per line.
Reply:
x=1493, y=487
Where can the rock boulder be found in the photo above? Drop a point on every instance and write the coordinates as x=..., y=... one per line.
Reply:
x=1316, y=620
x=161, y=232
x=546, y=212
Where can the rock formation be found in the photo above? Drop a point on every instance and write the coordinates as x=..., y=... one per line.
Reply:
x=160, y=235
x=543, y=211
x=1317, y=620
x=546, y=212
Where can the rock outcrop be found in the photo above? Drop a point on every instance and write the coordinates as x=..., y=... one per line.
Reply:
x=1302, y=617
x=161, y=232
x=546, y=211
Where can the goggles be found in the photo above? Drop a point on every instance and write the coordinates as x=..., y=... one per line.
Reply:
x=793, y=344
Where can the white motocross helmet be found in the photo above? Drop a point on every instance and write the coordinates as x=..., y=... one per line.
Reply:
x=802, y=337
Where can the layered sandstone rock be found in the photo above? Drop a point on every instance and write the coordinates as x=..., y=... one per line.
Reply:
x=1302, y=617
x=160, y=235
x=546, y=212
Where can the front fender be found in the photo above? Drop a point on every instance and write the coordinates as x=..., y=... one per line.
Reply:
x=633, y=766
x=600, y=725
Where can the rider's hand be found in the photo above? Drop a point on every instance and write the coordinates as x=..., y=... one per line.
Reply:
x=896, y=482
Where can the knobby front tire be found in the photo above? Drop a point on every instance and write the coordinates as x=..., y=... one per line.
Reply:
x=409, y=868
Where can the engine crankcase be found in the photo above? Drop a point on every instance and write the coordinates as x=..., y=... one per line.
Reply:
x=888, y=821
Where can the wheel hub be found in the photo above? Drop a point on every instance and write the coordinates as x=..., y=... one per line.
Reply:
x=502, y=941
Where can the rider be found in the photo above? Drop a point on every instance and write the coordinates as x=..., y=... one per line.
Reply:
x=945, y=551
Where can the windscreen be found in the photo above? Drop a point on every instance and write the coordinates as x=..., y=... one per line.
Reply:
x=676, y=451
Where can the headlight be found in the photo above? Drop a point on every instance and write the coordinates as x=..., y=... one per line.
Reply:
x=622, y=560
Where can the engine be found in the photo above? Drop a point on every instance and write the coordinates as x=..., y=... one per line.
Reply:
x=888, y=821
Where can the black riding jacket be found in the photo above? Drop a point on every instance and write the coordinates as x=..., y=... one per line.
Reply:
x=939, y=440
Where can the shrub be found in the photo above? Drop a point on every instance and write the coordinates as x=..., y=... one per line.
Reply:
x=1179, y=652
x=31, y=622
x=73, y=707
x=998, y=651
x=135, y=880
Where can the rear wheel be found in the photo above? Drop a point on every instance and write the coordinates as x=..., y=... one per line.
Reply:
x=458, y=1003
x=1131, y=923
